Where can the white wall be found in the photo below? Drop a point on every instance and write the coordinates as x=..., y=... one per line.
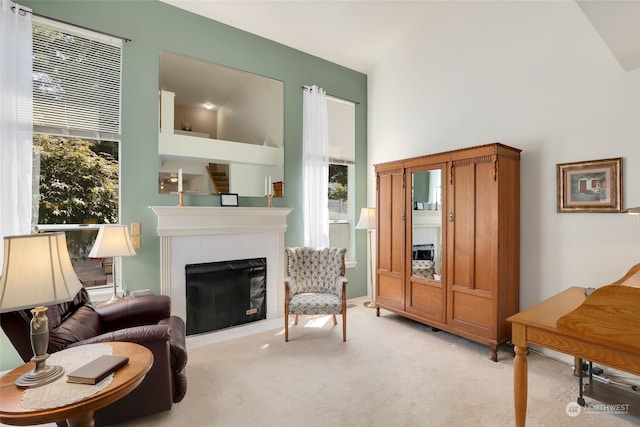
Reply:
x=533, y=75
x=255, y=114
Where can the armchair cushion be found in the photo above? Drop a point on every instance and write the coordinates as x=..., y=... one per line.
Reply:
x=313, y=304
x=84, y=324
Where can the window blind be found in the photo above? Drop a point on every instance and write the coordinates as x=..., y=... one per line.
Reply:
x=342, y=121
x=76, y=82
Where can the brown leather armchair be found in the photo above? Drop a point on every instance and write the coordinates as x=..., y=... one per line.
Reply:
x=144, y=320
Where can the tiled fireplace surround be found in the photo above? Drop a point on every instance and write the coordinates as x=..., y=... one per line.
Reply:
x=191, y=235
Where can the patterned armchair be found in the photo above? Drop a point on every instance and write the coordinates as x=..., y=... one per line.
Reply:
x=315, y=284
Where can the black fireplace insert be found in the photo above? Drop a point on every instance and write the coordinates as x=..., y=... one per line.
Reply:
x=225, y=293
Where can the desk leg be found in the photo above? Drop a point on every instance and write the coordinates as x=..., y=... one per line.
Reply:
x=85, y=420
x=520, y=373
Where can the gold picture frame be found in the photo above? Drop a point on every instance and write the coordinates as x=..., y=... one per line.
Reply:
x=590, y=186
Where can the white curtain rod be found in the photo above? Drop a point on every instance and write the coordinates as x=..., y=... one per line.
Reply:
x=23, y=10
x=306, y=87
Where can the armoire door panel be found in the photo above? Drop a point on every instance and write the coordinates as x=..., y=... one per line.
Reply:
x=426, y=299
x=473, y=313
x=385, y=228
x=462, y=226
x=390, y=287
x=390, y=290
x=485, y=226
x=397, y=222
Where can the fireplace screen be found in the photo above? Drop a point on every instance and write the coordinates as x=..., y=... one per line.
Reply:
x=224, y=294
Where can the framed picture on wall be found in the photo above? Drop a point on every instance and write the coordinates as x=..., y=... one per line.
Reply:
x=590, y=186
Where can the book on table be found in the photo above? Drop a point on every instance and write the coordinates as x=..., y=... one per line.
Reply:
x=97, y=370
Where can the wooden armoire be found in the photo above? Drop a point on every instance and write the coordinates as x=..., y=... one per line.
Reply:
x=448, y=234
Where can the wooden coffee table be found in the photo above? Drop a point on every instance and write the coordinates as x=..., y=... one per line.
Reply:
x=79, y=413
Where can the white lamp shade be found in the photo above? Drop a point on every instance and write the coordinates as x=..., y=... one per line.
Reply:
x=112, y=241
x=37, y=271
x=367, y=219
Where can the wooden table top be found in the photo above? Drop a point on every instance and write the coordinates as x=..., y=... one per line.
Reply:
x=603, y=327
x=611, y=314
x=125, y=380
x=545, y=315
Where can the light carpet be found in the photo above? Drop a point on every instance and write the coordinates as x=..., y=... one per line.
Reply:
x=390, y=372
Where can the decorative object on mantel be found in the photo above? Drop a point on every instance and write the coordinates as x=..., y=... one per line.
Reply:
x=268, y=191
x=278, y=189
x=229, y=199
x=368, y=222
x=180, y=190
x=590, y=186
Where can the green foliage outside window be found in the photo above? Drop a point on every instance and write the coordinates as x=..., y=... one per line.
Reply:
x=78, y=181
x=338, y=177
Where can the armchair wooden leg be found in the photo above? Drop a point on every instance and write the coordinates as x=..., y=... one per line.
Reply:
x=335, y=321
x=344, y=326
x=286, y=326
x=296, y=321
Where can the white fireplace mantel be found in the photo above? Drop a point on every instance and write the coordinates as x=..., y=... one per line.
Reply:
x=189, y=221
x=192, y=234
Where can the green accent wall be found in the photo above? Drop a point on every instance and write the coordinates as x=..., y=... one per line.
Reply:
x=154, y=26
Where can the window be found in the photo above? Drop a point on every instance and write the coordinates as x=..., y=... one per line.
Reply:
x=341, y=119
x=76, y=125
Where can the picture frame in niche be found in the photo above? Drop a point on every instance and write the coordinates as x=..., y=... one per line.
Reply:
x=228, y=199
x=590, y=186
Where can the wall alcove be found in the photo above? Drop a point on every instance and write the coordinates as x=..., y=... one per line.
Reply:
x=223, y=127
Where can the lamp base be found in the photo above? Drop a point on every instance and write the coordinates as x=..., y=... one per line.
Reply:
x=114, y=298
x=369, y=304
x=42, y=374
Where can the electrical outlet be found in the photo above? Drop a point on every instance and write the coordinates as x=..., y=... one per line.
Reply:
x=135, y=242
x=135, y=228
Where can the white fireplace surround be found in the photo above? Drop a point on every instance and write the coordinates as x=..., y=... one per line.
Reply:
x=192, y=235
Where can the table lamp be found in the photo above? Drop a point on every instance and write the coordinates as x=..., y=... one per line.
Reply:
x=37, y=272
x=113, y=241
x=368, y=221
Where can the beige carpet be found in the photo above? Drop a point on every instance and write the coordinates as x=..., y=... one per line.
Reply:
x=390, y=372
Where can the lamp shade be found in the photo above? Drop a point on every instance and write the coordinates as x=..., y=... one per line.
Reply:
x=112, y=241
x=37, y=271
x=367, y=219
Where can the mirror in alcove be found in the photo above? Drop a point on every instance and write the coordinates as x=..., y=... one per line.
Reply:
x=426, y=256
x=222, y=127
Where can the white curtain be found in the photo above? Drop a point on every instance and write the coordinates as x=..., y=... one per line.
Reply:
x=315, y=167
x=16, y=125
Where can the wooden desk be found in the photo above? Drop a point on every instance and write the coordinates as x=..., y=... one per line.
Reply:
x=602, y=328
x=80, y=413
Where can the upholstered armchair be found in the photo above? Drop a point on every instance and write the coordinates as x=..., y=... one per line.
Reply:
x=144, y=320
x=315, y=284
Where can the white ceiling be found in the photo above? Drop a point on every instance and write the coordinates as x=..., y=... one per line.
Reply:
x=357, y=33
